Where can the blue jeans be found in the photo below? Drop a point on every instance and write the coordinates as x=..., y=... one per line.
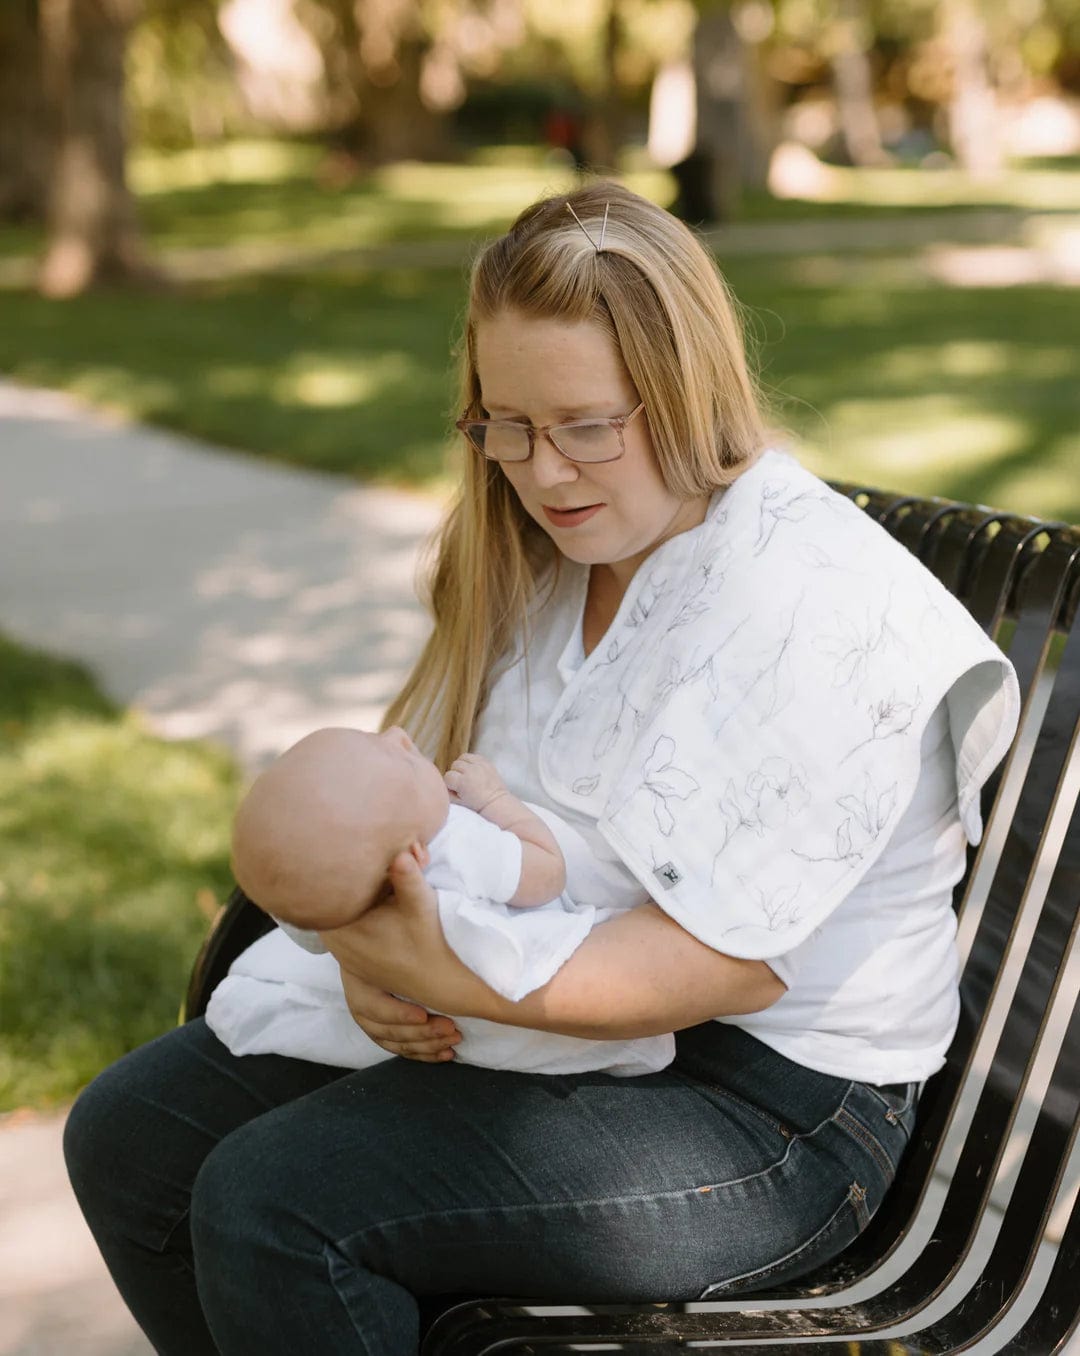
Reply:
x=266, y=1204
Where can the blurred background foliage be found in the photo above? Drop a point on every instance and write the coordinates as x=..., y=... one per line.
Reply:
x=251, y=220
x=293, y=187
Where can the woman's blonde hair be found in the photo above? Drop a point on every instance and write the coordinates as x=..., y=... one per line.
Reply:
x=657, y=292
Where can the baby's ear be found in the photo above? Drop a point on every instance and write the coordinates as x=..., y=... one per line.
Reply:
x=420, y=852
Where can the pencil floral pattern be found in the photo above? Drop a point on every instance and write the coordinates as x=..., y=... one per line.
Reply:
x=867, y=815
x=650, y=594
x=854, y=645
x=774, y=793
x=772, y=684
x=664, y=782
x=609, y=736
x=776, y=509
x=888, y=716
x=815, y=557
x=707, y=582
x=777, y=907
x=751, y=717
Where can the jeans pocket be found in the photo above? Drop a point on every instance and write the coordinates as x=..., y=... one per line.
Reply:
x=898, y=1100
x=843, y=1226
x=881, y=1120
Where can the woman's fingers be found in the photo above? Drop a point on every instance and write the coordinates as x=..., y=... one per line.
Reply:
x=385, y=1016
x=437, y=1050
x=379, y=1007
x=397, y=1026
x=432, y=1042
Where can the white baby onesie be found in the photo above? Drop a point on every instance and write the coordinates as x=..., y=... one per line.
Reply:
x=287, y=999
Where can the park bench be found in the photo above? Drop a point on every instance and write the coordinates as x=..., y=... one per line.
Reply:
x=1005, y=1104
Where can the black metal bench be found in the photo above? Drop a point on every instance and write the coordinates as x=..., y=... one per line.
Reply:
x=1018, y=914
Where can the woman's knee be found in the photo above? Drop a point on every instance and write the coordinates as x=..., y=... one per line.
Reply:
x=134, y=1140
x=226, y=1193
x=242, y=1191
x=100, y=1138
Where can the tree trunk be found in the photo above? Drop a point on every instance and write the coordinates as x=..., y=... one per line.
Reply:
x=732, y=143
x=605, y=123
x=374, y=52
x=93, y=235
x=395, y=123
x=973, y=123
x=854, y=85
x=24, y=147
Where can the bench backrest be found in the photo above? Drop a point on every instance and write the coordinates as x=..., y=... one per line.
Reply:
x=1019, y=899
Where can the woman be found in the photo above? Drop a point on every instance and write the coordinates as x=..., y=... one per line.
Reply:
x=735, y=685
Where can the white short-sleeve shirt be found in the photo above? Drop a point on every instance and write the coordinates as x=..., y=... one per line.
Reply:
x=872, y=993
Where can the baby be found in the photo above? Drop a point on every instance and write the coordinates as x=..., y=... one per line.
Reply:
x=314, y=837
x=312, y=844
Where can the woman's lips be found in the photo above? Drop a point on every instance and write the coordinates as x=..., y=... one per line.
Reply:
x=570, y=517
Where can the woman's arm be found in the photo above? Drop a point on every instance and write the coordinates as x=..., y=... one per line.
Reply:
x=640, y=974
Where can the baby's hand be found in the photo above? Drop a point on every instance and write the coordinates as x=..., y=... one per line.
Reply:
x=473, y=782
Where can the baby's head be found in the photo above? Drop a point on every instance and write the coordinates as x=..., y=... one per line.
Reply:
x=313, y=838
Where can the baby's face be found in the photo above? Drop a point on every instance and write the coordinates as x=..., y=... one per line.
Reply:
x=417, y=780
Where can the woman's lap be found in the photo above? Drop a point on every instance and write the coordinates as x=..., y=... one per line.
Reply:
x=351, y=1189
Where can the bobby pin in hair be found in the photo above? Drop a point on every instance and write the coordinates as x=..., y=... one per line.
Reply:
x=603, y=227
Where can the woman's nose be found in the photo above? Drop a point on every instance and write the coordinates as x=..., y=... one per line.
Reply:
x=549, y=466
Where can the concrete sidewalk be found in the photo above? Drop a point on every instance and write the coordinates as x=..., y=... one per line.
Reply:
x=224, y=598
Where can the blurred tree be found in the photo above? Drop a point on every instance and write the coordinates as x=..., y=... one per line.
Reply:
x=184, y=81
x=24, y=155
x=972, y=111
x=605, y=124
x=735, y=114
x=374, y=53
x=849, y=38
x=93, y=235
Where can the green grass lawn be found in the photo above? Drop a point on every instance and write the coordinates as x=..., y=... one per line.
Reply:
x=346, y=366
x=963, y=392
x=113, y=853
x=274, y=192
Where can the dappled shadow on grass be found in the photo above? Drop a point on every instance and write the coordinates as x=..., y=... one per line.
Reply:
x=299, y=211
x=114, y=850
x=888, y=378
x=964, y=393
x=345, y=372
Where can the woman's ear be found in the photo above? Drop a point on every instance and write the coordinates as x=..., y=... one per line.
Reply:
x=420, y=852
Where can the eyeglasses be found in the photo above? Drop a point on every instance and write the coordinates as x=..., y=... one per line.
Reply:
x=584, y=440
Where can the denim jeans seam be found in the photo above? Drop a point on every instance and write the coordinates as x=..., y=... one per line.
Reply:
x=463, y=1212
x=850, y=1124
x=167, y=1242
x=331, y=1254
x=684, y=1194
x=781, y=1128
x=763, y=1273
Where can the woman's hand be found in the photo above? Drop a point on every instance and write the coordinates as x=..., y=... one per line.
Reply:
x=399, y=1027
x=398, y=947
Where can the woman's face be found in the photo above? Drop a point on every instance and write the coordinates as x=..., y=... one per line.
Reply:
x=540, y=372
